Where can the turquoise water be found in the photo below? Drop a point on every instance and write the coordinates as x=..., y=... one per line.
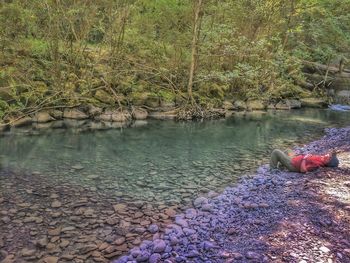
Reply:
x=164, y=162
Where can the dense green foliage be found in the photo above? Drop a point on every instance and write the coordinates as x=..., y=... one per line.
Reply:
x=123, y=52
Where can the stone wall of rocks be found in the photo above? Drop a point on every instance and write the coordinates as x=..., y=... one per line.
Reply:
x=99, y=118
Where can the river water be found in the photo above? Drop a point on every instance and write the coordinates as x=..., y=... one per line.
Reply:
x=164, y=162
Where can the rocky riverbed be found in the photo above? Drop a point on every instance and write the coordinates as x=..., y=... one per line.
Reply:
x=267, y=217
x=45, y=222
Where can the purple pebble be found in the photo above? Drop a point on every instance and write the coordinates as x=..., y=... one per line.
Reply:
x=155, y=258
x=158, y=246
x=153, y=228
x=143, y=257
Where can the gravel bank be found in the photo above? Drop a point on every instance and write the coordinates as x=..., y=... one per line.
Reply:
x=267, y=217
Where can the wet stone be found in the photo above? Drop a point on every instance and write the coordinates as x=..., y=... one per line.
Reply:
x=153, y=229
x=54, y=232
x=27, y=252
x=50, y=259
x=120, y=241
x=56, y=204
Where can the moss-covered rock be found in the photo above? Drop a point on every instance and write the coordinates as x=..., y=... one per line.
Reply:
x=256, y=105
x=104, y=97
x=57, y=114
x=144, y=99
x=228, y=105
x=152, y=101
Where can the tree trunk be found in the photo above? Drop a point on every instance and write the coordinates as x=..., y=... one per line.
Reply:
x=289, y=20
x=195, y=43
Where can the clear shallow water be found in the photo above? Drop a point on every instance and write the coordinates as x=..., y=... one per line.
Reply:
x=164, y=162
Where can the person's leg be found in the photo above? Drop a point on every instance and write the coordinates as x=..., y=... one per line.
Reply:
x=277, y=156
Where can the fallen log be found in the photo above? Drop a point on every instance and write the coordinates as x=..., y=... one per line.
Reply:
x=313, y=67
x=319, y=75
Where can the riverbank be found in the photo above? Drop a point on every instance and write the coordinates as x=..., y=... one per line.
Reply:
x=268, y=217
x=90, y=117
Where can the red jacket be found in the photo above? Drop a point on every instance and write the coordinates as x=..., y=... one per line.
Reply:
x=307, y=163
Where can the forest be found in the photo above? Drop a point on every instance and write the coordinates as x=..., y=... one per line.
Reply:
x=199, y=53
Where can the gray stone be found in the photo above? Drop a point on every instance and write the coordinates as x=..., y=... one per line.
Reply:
x=240, y=105
x=121, y=116
x=153, y=228
x=43, y=117
x=75, y=114
x=56, y=204
x=200, y=201
x=139, y=114
x=228, y=105
x=25, y=252
x=94, y=111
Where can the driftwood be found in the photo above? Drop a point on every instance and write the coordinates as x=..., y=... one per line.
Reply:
x=319, y=75
x=312, y=67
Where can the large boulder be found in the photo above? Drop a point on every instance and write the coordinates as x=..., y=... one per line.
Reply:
x=114, y=116
x=288, y=104
x=240, y=105
x=294, y=104
x=43, y=117
x=139, y=114
x=313, y=103
x=25, y=121
x=255, y=105
x=94, y=111
x=105, y=116
x=121, y=116
x=228, y=105
x=75, y=114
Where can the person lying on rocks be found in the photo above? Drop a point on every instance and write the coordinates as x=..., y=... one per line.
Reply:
x=302, y=163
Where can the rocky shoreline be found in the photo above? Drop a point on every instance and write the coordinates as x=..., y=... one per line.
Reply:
x=91, y=117
x=268, y=217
